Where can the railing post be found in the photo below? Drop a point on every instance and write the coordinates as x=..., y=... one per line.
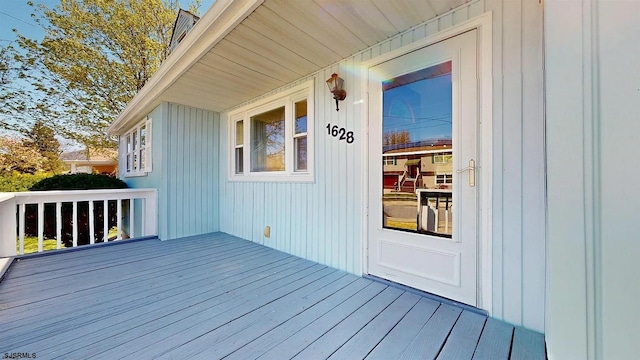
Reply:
x=150, y=215
x=8, y=225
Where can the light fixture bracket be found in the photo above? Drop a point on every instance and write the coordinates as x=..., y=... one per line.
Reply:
x=336, y=86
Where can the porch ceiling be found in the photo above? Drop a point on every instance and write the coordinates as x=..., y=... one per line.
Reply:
x=241, y=49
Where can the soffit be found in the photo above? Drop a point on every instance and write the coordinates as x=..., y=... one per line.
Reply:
x=280, y=41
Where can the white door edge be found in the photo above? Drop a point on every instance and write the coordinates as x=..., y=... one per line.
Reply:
x=483, y=24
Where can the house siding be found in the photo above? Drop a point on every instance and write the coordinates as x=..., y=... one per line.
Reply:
x=185, y=170
x=323, y=221
x=190, y=184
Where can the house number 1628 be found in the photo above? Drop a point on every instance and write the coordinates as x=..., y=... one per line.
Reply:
x=340, y=133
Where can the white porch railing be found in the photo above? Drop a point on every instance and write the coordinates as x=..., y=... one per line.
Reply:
x=13, y=215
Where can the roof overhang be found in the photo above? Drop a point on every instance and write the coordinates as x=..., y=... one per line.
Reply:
x=242, y=49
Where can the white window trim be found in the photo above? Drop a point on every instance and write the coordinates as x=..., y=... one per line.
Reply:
x=147, y=123
x=287, y=98
x=447, y=179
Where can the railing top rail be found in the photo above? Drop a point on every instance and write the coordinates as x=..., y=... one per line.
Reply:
x=30, y=197
x=6, y=196
x=95, y=191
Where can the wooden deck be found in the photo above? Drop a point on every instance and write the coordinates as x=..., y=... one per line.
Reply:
x=217, y=296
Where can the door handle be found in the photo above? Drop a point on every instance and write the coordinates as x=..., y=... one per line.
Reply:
x=472, y=172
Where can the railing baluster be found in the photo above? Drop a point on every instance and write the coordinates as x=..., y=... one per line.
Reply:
x=132, y=213
x=119, y=219
x=143, y=228
x=74, y=221
x=40, y=226
x=58, y=225
x=92, y=236
x=22, y=214
x=105, y=223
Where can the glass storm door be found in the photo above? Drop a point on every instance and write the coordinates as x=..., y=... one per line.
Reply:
x=422, y=184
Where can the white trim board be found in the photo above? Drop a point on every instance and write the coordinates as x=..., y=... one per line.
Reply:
x=483, y=24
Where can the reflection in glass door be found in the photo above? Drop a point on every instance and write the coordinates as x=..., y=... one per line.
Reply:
x=417, y=154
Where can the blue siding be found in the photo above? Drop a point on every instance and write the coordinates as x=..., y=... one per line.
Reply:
x=185, y=170
x=191, y=179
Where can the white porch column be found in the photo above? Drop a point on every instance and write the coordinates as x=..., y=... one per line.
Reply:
x=7, y=225
x=592, y=131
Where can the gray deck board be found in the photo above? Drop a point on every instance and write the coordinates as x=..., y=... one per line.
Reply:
x=495, y=341
x=527, y=345
x=279, y=333
x=333, y=339
x=359, y=346
x=394, y=344
x=464, y=337
x=216, y=296
x=429, y=341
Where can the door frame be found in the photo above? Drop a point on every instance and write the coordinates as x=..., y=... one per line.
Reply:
x=483, y=24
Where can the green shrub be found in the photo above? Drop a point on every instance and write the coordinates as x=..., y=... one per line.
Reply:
x=74, y=182
x=78, y=182
x=18, y=182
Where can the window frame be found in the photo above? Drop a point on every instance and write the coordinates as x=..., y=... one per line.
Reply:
x=389, y=161
x=447, y=179
x=128, y=155
x=286, y=99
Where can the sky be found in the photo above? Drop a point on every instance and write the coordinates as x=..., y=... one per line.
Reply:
x=16, y=14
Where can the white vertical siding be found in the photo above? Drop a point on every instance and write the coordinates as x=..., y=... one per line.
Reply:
x=518, y=163
x=322, y=221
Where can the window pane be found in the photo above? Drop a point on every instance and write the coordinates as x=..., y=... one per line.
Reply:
x=135, y=161
x=417, y=133
x=143, y=135
x=129, y=143
x=301, y=153
x=128, y=162
x=239, y=133
x=301, y=117
x=267, y=141
x=135, y=140
x=142, y=160
x=239, y=160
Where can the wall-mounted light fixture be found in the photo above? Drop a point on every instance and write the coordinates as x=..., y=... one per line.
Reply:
x=336, y=86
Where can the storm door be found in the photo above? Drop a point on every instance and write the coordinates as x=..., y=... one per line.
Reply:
x=423, y=114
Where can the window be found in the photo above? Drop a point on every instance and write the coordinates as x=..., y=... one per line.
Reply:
x=274, y=138
x=442, y=158
x=137, y=149
x=389, y=160
x=239, y=151
x=444, y=179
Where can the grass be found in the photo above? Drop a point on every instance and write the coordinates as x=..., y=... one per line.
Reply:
x=31, y=244
x=405, y=225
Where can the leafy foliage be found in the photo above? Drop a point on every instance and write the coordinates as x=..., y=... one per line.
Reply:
x=16, y=156
x=17, y=182
x=396, y=137
x=78, y=182
x=96, y=55
x=42, y=139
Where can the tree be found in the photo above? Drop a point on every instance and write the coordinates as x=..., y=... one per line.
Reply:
x=396, y=137
x=42, y=139
x=15, y=156
x=96, y=55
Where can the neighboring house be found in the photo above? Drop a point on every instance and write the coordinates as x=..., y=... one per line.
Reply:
x=184, y=23
x=92, y=162
x=539, y=101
